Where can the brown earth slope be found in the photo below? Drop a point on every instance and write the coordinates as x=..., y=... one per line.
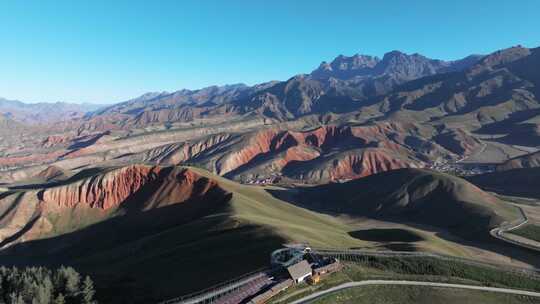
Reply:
x=101, y=195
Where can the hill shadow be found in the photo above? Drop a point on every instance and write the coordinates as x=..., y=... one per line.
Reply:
x=149, y=256
x=482, y=240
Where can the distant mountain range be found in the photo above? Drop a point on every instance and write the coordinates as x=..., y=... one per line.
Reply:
x=33, y=113
x=333, y=87
x=398, y=85
x=352, y=117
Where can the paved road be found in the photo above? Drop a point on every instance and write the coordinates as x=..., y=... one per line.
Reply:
x=316, y=295
x=358, y=255
x=499, y=232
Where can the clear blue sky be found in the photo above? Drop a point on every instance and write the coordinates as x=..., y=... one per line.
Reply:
x=109, y=51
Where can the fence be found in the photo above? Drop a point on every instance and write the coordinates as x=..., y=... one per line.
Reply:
x=212, y=294
x=356, y=255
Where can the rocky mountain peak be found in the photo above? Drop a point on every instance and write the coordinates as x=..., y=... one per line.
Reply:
x=505, y=56
x=346, y=67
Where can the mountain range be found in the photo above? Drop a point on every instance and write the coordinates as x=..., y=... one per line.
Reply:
x=224, y=175
x=348, y=118
x=43, y=112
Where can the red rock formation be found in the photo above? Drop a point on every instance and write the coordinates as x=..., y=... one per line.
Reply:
x=13, y=161
x=295, y=154
x=351, y=165
x=110, y=189
x=102, y=191
x=309, y=145
x=55, y=140
x=52, y=172
x=175, y=154
x=263, y=142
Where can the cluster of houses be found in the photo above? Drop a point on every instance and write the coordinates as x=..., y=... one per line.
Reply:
x=461, y=169
x=301, y=271
x=264, y=181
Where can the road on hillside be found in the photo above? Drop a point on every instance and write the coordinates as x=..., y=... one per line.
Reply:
x=319, y=294
x=499, y=232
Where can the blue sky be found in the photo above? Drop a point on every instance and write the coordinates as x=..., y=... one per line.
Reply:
x=109, y=51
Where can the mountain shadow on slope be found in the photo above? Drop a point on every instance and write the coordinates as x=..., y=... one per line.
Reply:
x=152, y=228
x=145, y=255
x=414, y=196
x=516, y=182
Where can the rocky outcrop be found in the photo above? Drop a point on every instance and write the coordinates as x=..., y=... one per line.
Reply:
x=349, y=165
x=102, y=191
x=327, y=153
x=370, y=161
x=90, y=197
x=174, y=154
x=52, y=173
x=111, y=189
x=458, y=141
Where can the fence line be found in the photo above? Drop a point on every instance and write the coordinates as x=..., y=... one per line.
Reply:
x=533, y=272
x=214, y=292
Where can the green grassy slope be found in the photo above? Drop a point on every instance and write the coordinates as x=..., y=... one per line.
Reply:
x=529, y=231
x=419, y=295
x=155, y=255
x=256, y=206
x=417, y=196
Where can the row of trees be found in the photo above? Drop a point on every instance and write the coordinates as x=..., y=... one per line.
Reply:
x=39, y=285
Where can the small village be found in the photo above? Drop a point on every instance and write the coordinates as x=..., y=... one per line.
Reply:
x=461, y=169
x=296, y=266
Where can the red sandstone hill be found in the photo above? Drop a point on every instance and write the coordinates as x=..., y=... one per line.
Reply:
x=93, y=196
x=325, y=153
x=52, y=173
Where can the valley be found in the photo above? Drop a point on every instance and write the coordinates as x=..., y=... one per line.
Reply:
x=170, y=193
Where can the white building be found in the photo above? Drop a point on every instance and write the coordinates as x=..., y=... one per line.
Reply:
x=300, y=271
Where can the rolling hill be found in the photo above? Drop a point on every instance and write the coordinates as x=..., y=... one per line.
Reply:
x=414, y=196
x=128, y=226
x=515, y=182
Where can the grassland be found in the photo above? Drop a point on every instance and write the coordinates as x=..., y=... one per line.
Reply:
x=529, y=231
x=388, y=235
x=418, y=295
x=128, y=259
x=254, y=205
x=414, y=269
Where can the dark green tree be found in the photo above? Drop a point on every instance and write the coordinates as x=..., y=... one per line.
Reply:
x=88, y=291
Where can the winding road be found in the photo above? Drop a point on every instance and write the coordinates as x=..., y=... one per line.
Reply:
x=319, y=294
x=499, y=232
